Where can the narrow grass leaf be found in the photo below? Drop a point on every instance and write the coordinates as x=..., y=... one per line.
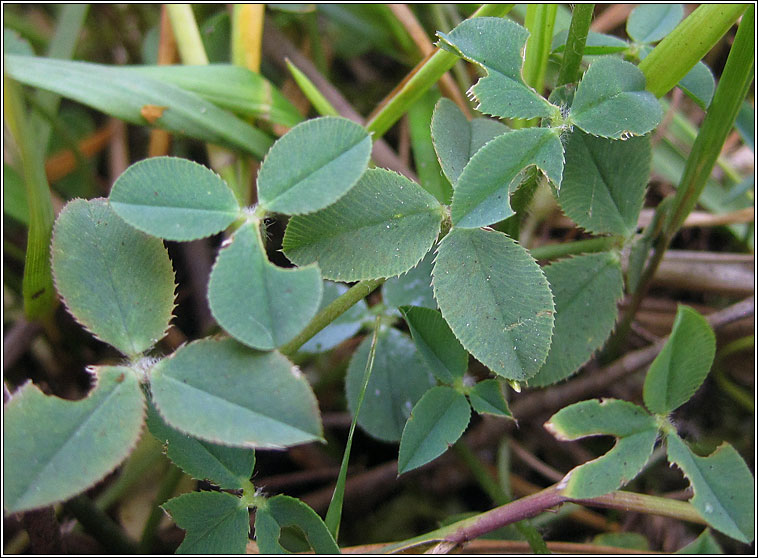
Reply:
x=122, y=92
x=283, y=511
x=587, y=289
x=115, y=280
x=635, y=429
x=173, y=198
x=397, y=382
x=254, y=400
x=313, y=165
x=682, y=365
x=649, y=23
x=440, y=351
x=436, y=422
x=215, y=522
x=342, y=328
x=54, y=449
x=487, y=398
x=226, y=467
x=258, y=303
x=611, y=101
x=604, y=182
x=723, y=487
x=483, y=189
x=456, y=139
x=229, y=87
x=413, y=288
x=381, y=228
x=334, y=513
x=496, y=45
x=505, y=319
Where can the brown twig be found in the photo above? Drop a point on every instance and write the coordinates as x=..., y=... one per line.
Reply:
x=160, y=140
x=447, y=84
x=612, y=17
x=44, y=531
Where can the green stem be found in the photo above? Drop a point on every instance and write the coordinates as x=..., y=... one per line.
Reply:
x=421, y=78
x=166, y=490
x=687, y=44
x=554, y=251
x=577, y=38
x=99, y=524
x=730, y=93
x=38, y=290
x=331, y=312
x=498, y=496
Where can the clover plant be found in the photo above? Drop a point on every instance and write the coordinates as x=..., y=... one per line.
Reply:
x=462, y=286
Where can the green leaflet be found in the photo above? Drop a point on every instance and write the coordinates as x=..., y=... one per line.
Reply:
x=382, y=227
x=436, y=422
x=604, y=182
x=722, y=484
x=487, y=397
x=496, y=300
x=344, y=327
x=258, y=303
x=229, y=87
x=215, y=522
x=440, y=351
x=54, y=448
x=313, y=165
x=636, y=432
x=482, y=192
x=284, y=511
x=456, y=139
x=597, y=44
x=706, y=543
x=586, y=289
x=611, y=101
x=649, y=23
x=682, y=365
x=115, y=280
x=497, y=45
x=173, y=198
x=397, y=382
x=226, y=467
x=412, y=288
x=123, y=93
x=253, y=399
x=421, y=125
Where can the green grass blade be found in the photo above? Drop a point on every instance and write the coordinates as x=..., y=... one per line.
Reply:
x=334, y=513
x=727, y=101
x=311, y=92
x=61, y=46
x=686, y=45
x=581, y=18
x=37, y=287
x=122, y=93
